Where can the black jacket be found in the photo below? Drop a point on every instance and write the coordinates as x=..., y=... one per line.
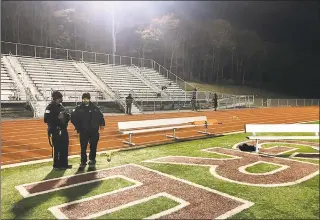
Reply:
x=56, y=116
x=129, y=100
x=87, y=118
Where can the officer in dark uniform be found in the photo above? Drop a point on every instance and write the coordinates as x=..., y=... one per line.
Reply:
x=215, y=101
x=57, y=120
x=194, y=100
x=87, y=119
x=129, y=101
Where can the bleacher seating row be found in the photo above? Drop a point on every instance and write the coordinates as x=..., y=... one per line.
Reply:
x=60, y=75
x=63, y=75
x=7, y=84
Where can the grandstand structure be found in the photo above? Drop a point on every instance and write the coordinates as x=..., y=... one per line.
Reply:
x=30, y=73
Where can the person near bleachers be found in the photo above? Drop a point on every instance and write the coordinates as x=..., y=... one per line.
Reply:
x=215, y=101
x=57, y=118
x=87, y=120
x=194, y=100
x=129, y=101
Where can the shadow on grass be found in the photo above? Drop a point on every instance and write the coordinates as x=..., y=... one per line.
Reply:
x=82, y=190
x=21, y=208
x=26, y=204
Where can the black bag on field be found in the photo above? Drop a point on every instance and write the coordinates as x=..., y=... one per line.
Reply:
x=246, y=147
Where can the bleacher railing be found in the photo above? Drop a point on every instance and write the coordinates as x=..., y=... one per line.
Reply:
x=19, y=49
x=286, y=102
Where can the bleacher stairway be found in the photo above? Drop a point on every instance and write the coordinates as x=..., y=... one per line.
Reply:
x=36, y=78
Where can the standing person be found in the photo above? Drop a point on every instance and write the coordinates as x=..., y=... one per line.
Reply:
x=57, y=120
x=215, y=101
x=87, y=119
x=129, y=101
x=194, y=100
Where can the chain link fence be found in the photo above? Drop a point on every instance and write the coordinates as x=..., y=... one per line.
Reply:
x=285, y=102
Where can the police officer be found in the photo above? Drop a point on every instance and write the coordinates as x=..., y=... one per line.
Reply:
x=194, y=100
x=87, y=119
x=57, y=120
x=215, y=101
x=129, y=101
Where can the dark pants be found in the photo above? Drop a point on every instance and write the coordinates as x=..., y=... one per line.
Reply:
x=91, y=137
x=194, y=104
x=128, y=109
x=60, y=144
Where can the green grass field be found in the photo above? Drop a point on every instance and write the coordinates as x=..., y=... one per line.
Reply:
x=299, y=201
x=262, y=168
x=240, y=90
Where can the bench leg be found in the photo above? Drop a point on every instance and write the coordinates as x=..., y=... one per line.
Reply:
x=257, y=146
x=174, y=135
x=204, y=132
x=130, y=141
x=205, y=129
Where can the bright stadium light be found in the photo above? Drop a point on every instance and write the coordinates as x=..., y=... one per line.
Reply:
x=112, y=6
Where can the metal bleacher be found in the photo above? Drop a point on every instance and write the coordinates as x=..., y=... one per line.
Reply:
x=122, y=80
x=49, y=74
x=7, y=84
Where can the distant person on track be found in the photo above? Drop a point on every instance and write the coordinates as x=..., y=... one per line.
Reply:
x=215, y=101
x=87, y=119
x=194, y=100
x=129, y=101
x=57, y=118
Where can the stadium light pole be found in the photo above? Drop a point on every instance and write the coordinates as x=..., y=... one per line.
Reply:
x=114, y=46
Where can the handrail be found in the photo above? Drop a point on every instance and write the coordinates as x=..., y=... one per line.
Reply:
x=177, y=77
x=138, y=70
x=30, y=85
x=155, y=90
x=157, y=85
x=26, y=87
x=153, y=62
x=135, y=99
x=87, y=66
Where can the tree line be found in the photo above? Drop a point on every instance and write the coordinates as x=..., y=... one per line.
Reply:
x=205, y=50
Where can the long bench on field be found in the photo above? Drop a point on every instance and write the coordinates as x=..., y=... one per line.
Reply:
x=135, y=127
x=281, y=128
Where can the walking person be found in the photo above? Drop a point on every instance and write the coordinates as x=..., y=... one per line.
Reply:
x=57, y=120
x=87, y=120
x=194, y=100
x=129, y=101
x=215, y=102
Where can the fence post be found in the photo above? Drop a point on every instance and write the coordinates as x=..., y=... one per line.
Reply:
x=67, y=54
x=151, y=64
x=304, y=102
x=185, y=86
x=108, y=59
x=159, y=68
x=35, y=51
x=16, y=49
x=50, y=52
x=120, y=60
x=95, y=57
x=287, y=102
x=176, y=79
x=82, y=55
x=167, y=74
x=130, y=61
x=296, y=102
x=278, y=102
